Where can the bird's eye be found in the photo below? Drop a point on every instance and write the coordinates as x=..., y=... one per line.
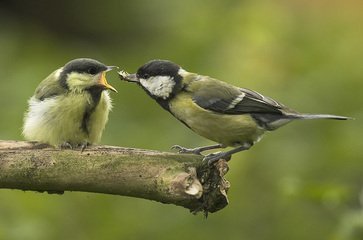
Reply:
x=92, y=70
x=146, y=76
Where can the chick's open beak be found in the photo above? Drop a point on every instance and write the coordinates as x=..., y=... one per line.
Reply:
x=128, y=77
x=104, y=82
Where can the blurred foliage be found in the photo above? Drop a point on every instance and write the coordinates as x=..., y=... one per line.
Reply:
x=302, y=182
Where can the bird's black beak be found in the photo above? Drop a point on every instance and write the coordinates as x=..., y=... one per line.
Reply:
x=109, y=68
x=128, y=77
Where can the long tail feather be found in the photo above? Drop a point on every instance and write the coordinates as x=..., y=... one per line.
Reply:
x=321, y=116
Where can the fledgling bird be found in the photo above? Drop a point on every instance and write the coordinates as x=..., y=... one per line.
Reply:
x=70, y=107
x=229, y=115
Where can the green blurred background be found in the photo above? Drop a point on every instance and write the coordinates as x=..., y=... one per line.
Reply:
x=303, y=181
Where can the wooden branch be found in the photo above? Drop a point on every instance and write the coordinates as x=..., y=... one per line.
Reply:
x=179, y=179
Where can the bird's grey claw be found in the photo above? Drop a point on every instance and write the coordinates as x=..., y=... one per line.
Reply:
x=66, y=145
x=214, y=157
x=181, y=149
x=84, y=146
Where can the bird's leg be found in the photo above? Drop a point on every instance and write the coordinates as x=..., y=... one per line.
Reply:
x=214, y=157
x=84, y=145
x=197, y=150
x=65, y=145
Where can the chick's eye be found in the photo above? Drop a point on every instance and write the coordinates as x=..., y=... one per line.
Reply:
x=146, y=76
x=92, y=70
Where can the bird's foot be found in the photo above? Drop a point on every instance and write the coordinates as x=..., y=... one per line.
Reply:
x=84, y=145
x=181, y=149
x=65, y=145
x=214, y=157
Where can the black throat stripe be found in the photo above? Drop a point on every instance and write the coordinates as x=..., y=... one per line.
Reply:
x=95, y=93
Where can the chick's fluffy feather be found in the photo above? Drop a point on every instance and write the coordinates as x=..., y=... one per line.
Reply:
x=58, y=119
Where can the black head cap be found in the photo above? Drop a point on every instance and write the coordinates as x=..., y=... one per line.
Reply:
x=84, y=65
x=81, y=65
x=158, y=68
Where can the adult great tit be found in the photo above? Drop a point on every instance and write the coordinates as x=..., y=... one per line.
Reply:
x=229, y=115
x=70, y=107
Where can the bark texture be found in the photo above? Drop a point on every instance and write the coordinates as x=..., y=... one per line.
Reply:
x=178, y=179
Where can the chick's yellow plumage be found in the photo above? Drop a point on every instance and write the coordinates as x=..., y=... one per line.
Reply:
x=70, y=106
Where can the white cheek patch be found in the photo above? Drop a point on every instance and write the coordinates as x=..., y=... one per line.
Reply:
x=160, y=86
